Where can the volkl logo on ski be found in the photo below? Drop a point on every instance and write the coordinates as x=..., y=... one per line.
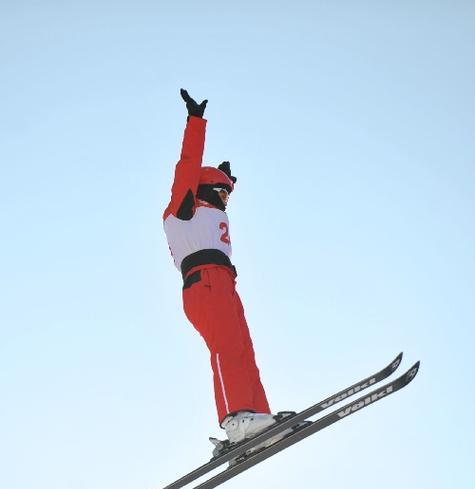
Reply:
x=349, y=393
x=364, y=402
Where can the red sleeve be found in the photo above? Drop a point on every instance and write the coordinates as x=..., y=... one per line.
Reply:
x=188, y=168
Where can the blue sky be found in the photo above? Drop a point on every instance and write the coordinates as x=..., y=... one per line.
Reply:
x=350, y=128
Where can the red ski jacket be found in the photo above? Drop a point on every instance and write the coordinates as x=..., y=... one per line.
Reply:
x=192, y=225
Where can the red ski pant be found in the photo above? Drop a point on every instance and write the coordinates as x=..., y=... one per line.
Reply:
x=214, y=308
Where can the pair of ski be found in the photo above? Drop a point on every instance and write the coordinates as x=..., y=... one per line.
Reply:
x=239, y=451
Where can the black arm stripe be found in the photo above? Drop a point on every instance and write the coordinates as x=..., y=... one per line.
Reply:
x=185, y=211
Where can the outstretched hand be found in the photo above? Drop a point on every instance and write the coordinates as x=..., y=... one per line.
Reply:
x=193, y=108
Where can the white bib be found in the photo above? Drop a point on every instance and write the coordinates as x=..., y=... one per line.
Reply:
x=207, y=229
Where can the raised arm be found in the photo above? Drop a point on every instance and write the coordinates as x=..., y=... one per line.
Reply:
x=188, y=168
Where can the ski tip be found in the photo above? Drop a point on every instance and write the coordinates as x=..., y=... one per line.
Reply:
x=396, y=362
x=412, y=372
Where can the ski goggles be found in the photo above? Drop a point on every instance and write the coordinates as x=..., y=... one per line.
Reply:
x=224, y=194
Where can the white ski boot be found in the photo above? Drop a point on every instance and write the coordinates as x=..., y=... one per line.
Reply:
x=244, y=425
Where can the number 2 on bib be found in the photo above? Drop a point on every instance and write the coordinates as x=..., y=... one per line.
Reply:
x=225, y=236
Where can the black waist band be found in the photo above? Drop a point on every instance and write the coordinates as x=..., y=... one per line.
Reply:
x=206, y=257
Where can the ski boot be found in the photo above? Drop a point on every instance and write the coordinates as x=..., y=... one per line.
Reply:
x=245, y=425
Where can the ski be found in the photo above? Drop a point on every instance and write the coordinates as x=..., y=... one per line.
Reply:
x=314, y=427
x=287, y=422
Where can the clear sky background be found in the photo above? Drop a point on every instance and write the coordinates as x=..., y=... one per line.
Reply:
x=350, y=127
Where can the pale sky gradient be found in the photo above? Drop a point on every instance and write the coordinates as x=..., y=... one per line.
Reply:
x=350, y=127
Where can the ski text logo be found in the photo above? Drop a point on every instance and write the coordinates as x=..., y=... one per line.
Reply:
x=364, y=402
x=348, y=393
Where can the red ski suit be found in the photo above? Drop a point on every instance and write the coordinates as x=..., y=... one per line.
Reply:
x=198, y=237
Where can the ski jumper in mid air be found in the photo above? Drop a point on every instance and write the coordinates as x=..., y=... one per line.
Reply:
x=198, y=234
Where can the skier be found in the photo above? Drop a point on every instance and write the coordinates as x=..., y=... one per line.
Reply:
x=197, y=230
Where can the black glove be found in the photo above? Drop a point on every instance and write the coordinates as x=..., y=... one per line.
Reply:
x=194, y=109
x=225, y=167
